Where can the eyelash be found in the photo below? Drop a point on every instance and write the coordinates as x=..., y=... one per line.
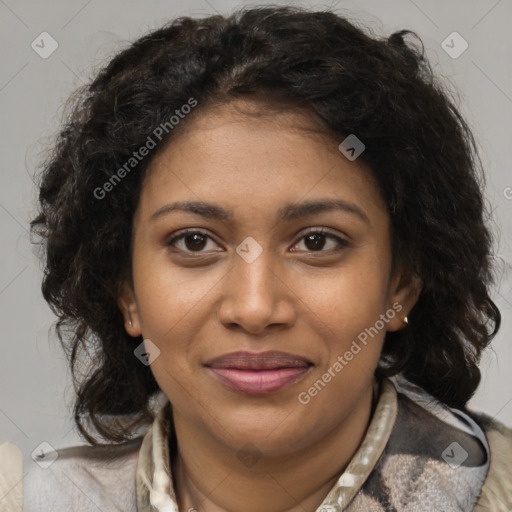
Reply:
x=342, y=243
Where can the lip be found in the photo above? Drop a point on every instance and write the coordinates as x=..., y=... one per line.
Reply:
x=259, y=372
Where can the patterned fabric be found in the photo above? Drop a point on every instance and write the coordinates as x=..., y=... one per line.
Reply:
x=436, y=459
x=414, y=458
x=417, y=456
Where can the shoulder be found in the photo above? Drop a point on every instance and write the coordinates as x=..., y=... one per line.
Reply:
x=496, y=492
x=83, y=478
x=436, y=457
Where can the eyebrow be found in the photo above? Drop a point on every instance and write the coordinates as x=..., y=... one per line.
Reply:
x=288, y=212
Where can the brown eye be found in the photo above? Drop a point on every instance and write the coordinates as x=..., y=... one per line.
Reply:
x=191, y=241
x=315, y=242
x=195, y=241
x=321, y=241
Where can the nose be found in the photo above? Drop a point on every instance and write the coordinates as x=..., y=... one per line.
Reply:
x=257, y=297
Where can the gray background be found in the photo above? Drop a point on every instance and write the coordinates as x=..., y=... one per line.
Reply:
x=35, y=389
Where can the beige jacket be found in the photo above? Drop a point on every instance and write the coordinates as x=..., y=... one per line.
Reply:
x=136, y=477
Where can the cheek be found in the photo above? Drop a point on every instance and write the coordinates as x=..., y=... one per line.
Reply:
x=168, y=296
x=173, y=305
x=171, y=321
x=349, y=306
x=354, y=296
x=351, y=338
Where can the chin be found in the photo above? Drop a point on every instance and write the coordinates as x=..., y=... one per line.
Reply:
x=272, y=433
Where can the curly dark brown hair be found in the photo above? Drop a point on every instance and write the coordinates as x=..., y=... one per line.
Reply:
x=420, y=149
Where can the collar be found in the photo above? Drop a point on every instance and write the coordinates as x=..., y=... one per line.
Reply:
x=154, y=482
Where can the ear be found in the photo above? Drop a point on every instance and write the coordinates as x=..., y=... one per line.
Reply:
x=128, y=305
x=405, y=288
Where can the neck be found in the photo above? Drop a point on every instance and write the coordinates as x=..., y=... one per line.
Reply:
x=213, y=477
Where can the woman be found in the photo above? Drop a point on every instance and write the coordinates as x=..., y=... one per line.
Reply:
x=266, y=240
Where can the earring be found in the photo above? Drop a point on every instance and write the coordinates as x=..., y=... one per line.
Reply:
x=406, y=322
x=131, y=325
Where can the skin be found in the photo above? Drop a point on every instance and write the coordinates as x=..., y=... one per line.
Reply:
x=307, y=299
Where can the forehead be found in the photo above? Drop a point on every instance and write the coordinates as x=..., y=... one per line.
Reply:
x=239, y=152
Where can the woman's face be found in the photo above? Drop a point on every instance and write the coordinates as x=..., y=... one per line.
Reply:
x=255, y=275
